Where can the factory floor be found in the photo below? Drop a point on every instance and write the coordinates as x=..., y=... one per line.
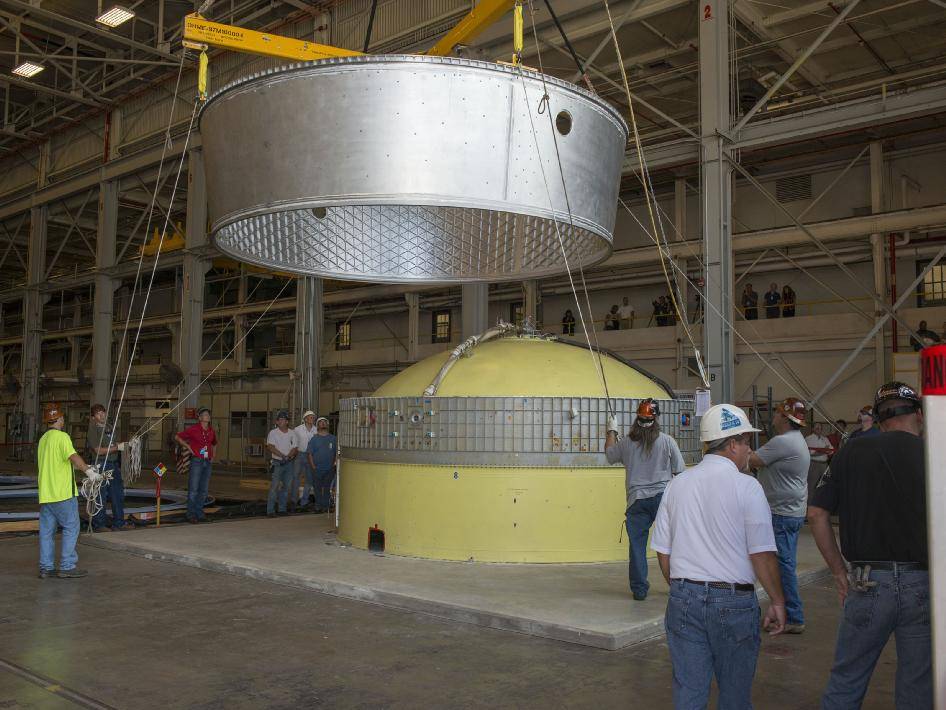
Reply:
x=141, y=633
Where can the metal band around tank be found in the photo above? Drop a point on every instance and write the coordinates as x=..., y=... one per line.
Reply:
x=547, y=432
x=411, y=168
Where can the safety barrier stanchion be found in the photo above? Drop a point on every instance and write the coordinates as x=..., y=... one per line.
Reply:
x=934, y=413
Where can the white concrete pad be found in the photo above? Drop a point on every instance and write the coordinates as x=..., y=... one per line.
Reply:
x=589, y=604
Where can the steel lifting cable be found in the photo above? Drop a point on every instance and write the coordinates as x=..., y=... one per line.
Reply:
x=154, y=268
x=91, y=486
x=595, y=355
x=649, y=196
x=731, y=325
x=148, y=427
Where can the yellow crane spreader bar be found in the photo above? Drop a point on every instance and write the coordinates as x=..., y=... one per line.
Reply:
x=479, y=18
x=198, y=31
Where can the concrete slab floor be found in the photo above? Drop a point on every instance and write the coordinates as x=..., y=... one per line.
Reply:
x=138, y=633
x=581, y=603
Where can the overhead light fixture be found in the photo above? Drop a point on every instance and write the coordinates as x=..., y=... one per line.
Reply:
x=28, y=69
x=115, y=16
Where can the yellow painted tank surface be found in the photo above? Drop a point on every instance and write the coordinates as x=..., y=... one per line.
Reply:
x=494, y=452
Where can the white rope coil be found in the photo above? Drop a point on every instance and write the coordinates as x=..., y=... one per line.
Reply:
x=91, y=490
x=131, y=460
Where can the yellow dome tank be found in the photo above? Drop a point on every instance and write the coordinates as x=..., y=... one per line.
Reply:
x=494, y=452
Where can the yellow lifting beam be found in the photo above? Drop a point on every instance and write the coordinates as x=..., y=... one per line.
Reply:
x=198, y=32
x=480, y=17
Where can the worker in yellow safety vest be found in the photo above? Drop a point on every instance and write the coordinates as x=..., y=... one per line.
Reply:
x=58, y=506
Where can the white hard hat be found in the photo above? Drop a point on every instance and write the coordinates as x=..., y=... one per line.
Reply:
x=722, y=421
x=309, y=413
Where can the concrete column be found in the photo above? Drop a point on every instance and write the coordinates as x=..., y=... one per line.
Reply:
x=413, y=325
x=104, y=302
x=309, y=318
x=877, y=256
x=33, y=301
x=715, y=119
x=196, y=266
x=532, y=300
x=474, y=309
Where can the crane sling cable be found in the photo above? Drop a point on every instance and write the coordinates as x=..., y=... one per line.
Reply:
x=157, y=258
x=93, y=488
x=544, y=108
x=147, y=427
x=673, y=287
x=595, y=356
x=772, y=349
x=729, y=323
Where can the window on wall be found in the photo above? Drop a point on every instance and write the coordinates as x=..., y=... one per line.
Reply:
x=516, y=313
x=440, y=327
x=932, y=290
x=343, y=335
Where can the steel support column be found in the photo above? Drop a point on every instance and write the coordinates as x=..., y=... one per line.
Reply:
x=474, y=316
x=413, y=324
x=33, y=301
x=717, y=197
x=239, y=328
x=104, y=301
x=309, y=318
x=680, y=208
x=195, y=270
x=877, y=255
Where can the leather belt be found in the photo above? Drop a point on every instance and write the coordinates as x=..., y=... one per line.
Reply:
x=888, y=566
x=719, y=585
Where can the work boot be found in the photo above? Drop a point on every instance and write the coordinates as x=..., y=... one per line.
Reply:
x=638, y=597
x=71, y=573
x=47, y=573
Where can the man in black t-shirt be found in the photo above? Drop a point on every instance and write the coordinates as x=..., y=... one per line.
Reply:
x=877, y=487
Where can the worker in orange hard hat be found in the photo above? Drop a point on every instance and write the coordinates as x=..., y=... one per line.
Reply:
x=58, y=506
x=783, y=464
x=651, y=458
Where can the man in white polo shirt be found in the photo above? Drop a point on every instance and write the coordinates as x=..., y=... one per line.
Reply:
x=713, y=537
x=304, y=474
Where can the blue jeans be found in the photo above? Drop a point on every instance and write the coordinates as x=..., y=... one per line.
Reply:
x=198, y=484
x=323, y=488
x=898, y=605
x=305, y=472
x=113, y=492
x=786, y=530
x=281, y=481
x=712, y=632
x=51, y=516
x=639, y=518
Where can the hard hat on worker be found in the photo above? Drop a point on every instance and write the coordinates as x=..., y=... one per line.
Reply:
x=647, y=412
x=793, y=409
x=722, y=421
x=896, y=392
x=52, y=412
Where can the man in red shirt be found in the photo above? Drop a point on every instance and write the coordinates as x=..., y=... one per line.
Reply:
x=201, y=439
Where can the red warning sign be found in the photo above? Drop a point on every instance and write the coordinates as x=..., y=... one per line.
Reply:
x=933, y=367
